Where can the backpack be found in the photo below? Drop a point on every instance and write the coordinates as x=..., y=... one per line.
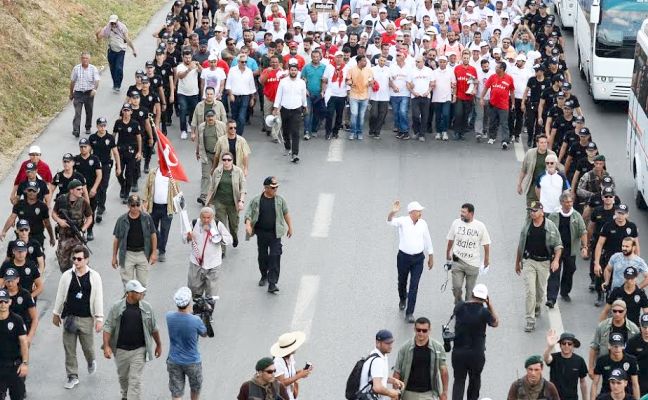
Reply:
x=353, y=381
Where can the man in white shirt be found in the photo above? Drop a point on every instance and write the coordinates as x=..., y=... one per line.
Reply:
x=420, y=86
x=241, y=91
x=379, y=97
x=188, y=91
x=443, y=95
x=481, y=112
x=414, y=244
x=520, y=74
x=550, y=185
x=216, y=44
x=290, y=102
x=465, y=237
x=335, y=90
x=399, y=78
x=377, y=366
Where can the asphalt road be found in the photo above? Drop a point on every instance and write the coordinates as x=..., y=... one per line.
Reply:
x=338, y=280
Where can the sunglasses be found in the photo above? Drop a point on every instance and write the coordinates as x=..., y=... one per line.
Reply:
x=134, y=205
x=34, y=154
x=618, y=311
x=567, y=343
x=23, y=230
x=4, y=301
x=608, y=197
x=77, y=258
x=422, y=330
x=269, y=371
x=550, y=163
x=231, y=128
x=31, y=190
x=226, y=159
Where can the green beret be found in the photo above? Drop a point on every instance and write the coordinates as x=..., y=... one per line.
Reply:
x=600, y=157
x=536, y=359
x=264, y=363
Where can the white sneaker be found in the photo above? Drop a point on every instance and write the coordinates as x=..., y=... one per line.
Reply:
x=92, y=367
x=71, y=382
x=504, y=145
x=491, y=141
x=437, y=136
x=183, y=135
x=445, y=135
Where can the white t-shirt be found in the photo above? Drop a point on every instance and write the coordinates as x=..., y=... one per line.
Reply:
x=336, y=88
x=160, y=196
x=400, y=77
x=379, y=369
x=212, y=79
x=520, y=79
x=287, y=369
x=468, y=238
x=444, y=79
x=187, y=86
x=381, y=75
x=421, y=79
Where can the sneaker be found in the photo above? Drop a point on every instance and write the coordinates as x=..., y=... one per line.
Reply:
x=90, y=235
x=399, y=136
x=538, y=311
x=360, y=137
x=116, y=90
x=327, y=136
x=183, y=135
x=75, y=134
x=504, y=146
x=72, y=381
x=478, y=137
x=437, y=136
x=376, y=136
x=134, y=188
x=162, y=257
x=566, y=298
x=87, y=131
x=295, y=159
x=201, y=200
x=307, y=136
x=92, y=367
x=491, y=141
x=421, y=138
x=550, y=303
x=406, y=136
x=410, y=319
x=530, y=326
x=445, y=136
x=351, y=137
x=99, y=218
x=287, y=152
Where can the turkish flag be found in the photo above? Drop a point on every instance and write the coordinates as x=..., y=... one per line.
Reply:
x=168, y=159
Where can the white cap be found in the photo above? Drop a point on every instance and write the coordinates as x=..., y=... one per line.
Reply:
x=520, y=57
x=355, y=15
x=382, y=10
x=339, y=53
x=426, y=37
x=414, y=206
x=475, y=47
x=451, y=53
x=399, y=33
x=182, y=297
x=517, y=19
x=488, y=12
x=483, y=44
x=334, y=29
x=504, y=15
x=212, y=56
x=405, y=22
x=297, y=24
x=403, y=12
x=113, y=18
x=470, y=4
x=480, y=291
x=218, y=28
x=497, y=50
x=364, y=35
x=134, y=286
x=432, y=31
x=342, y=28
x=443, y=58
x=35, y=149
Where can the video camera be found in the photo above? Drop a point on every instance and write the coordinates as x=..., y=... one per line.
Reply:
x=204, y=308
x=447, y=335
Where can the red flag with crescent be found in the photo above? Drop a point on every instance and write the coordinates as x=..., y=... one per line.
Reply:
x=168, y=159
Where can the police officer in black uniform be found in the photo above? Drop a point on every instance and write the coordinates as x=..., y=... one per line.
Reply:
x=33, y=182
x=165, y=71
x=535, y=86
x=150, y=102
x=600, y=216
x=129, y=140
x=34, y=251
x=22, y=302
x=89, y=166
x=547, y=99
x=617, y=358
x=104, y=147
x=36, y=212
x=63, y=178
x=30, y=277
x=638, y=347
x=14, y=350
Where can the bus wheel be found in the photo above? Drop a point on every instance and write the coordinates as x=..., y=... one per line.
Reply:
x=640, y=201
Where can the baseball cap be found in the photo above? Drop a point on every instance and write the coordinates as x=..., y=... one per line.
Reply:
x=134, y=94
x=271, y=181
x=579, y=119
x=74, y=183
x=218, y=28
x=566, y=86
x=102, y=121
x=369, y=24
x=113, y=18
x=607, y=182
x=11, y=274
x=630, y=272
x=140, y=72
x=622, y=208
x=569, y=104
x=20, y=245
x=339, y=53
x=34, y=150
x=32, y=186
x=30, y=166
x=134, y=199
x=182, y=297
x=355, y=15
x=4, y=295
x=22, y=223
x=620, y=303
x=297, y=25
x=553, y=60
x=535, y=206
x=539, y=67
x=643, y=320
x=384, y=335
x=212, y=57
x=571, y=337
x=607, y=191
x=293, y=62
x=210, y=113
x=342, y=28
x=442, y=58
x=432, y=31
x=134, y=286
x=616, y=339
x=84, y=142
x=127, y=106
x=591, y=146
x=560, y=94
x=414, y=206
x=145, y=79
x=618, y=374
x=497, y=50
x=150, y=63
x=520, y=57
x=480, y=291
x=68, y=157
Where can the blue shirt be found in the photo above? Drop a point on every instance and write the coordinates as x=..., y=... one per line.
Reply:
x=619, y=263
x=251, y=63
x=313, y=77
x=183, y=334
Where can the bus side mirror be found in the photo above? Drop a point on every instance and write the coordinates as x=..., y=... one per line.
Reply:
x=595, y=13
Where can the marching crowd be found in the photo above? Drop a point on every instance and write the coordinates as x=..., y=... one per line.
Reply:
x=493, y=68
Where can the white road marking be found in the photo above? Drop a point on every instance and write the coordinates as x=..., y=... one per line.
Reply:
x=323, y=215
x=336, y=150
x=519, y=151
x=305, y=304
x=555, y=321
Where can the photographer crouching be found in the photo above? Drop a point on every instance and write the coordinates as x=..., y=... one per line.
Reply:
x=468, y=356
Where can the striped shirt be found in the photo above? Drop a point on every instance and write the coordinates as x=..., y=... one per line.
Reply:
x=84, y=78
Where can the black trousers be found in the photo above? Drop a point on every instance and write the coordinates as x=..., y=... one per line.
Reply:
x=533, y=129
x=409, y=265
x=462, y=110
x=563, y=283
x=291, y=121
x=106, y=169
x=467, y=363
x=269, y=257
x=82, y=100
x=9, y=380
x=377, y=114
x=420, y=114
x=516, y=119
x=335, y=106
x=129, y=172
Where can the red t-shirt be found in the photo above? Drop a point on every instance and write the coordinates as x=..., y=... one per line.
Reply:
x=463, y=74
x=272, y=83
x=42, y=169
x=388, y=39
x=300, y=61
x=220, y=64
x=500, y=90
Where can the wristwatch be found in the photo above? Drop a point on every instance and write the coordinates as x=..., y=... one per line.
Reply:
x=26, y=362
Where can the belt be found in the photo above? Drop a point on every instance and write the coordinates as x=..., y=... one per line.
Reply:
x=539, y=259
x=83, y=91
x=135, y=250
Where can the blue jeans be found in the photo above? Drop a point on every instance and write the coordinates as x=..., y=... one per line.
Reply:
x=442, y=111
x=316, y=109
x=357, y=110
x=162, y=221
x=239, y=111
x=411, y=265
x=400, y=107
x=187, y=105
x=116, y=64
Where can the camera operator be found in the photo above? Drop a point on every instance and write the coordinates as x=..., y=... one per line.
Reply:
x=468, y=357
x=421, y=365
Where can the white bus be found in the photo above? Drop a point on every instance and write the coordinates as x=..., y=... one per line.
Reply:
x=566, y=9
x=605, y=34
x=637, y=137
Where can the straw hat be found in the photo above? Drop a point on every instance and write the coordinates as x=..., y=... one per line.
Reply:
x=288, y=343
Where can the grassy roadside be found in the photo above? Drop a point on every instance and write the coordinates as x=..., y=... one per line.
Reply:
x=40, y=42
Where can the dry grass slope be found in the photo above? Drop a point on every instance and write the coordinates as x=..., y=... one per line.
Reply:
x=40, y=41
